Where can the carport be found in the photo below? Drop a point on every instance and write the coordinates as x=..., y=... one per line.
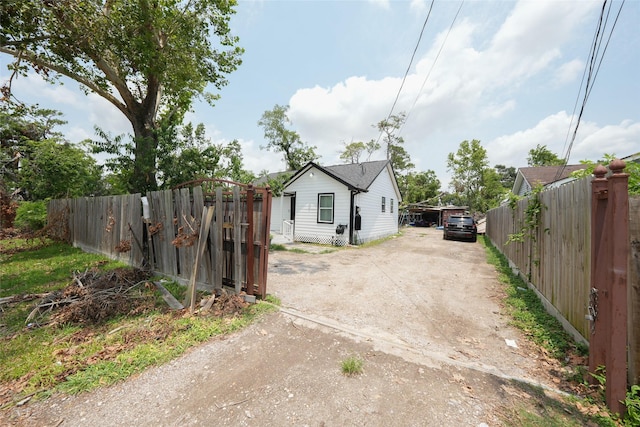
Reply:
x=422, y=215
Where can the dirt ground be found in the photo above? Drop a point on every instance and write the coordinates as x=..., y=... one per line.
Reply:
x=423, y=314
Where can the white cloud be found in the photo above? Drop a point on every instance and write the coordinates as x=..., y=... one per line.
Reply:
x=385, y=4
x=105, y=115
x=33, y=86
x=568, y=72
x=513, y=149
x=418, y=6
x=592, y=141
x=476, y=81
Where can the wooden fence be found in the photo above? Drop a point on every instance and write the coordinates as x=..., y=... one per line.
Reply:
x=557, y=262
x=166, y=240
x=105, y=225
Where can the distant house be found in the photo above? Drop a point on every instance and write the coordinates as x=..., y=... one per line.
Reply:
x=348, y=203
x=548, y=176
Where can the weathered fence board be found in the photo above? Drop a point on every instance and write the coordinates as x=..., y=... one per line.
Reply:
x=557, y=262
x=107, y=225
x=237, y=242
x=558, y=266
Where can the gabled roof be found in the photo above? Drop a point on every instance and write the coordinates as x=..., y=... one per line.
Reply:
x=356, y=176
x=544, y=175
x=547, y=174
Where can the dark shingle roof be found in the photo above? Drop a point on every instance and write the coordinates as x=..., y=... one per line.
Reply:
x=547, y=174
x=357, y=175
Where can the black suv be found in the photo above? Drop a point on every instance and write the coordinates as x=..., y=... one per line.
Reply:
x=460, y=227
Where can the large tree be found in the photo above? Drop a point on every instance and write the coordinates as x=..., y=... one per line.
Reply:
x=354, y=150
x=393, y=143
x=36, y=162
x=507, y=175
x=280, y=139
x=149, y=58
x=542, y=156
x=467, y=166
x=419, y=186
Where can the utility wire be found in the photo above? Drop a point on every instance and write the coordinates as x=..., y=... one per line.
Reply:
x=424, y=82
x=593, y=71
x=409, y=67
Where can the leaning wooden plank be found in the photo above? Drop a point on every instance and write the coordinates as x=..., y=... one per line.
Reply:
x=237, y=240
x=169, y=299
x=190, y=298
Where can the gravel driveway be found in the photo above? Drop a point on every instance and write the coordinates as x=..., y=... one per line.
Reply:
x=423, y=314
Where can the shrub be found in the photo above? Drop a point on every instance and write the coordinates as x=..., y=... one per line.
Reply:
x=31, y=216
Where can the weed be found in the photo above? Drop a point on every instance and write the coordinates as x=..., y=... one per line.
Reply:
x=527, y=310
x=352, y=366
x=632, y=402
x=40, y=360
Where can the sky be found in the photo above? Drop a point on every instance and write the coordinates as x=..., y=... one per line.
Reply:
x=507, y=73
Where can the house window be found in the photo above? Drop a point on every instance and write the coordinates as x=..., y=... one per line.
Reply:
x=391, y=205
x=325, y=208
x=384, y=203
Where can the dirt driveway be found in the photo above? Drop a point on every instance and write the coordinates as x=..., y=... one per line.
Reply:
x=421, y=312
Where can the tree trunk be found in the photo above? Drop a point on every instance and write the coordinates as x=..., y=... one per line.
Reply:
x=143, y=177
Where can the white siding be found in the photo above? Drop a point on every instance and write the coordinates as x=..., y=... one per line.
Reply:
x=375, y=223
x=307, y=188
x=276, y=214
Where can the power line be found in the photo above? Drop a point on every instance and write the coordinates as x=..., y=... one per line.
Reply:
x=592, y=73
x=424, y=82
x=409, y=67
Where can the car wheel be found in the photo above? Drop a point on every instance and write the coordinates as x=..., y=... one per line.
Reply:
x=474, y=238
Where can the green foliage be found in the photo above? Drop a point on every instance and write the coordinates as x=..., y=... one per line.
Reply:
x=395, y=152
x=276, y=181
x=542, y=156
x=632, y=402
x=37, y=162
x=35, y=266
x=53, y=170
x=529, y=315
x=632, y=168
x=31, y=216
x=530, y=225
x=352, y=366
x=353, y=151
x=419, y=186
x=282, y=140
x=73, y=358
x=186, y=154
x=492, y=191
x=507, y=175
x=473, y=182
x=532, y=215
x=149, y=62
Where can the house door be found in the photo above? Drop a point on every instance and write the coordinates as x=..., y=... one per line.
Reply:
x=292, y=208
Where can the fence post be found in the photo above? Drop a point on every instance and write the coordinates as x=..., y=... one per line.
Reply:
x=608, y=302
x=599, y=302
x=618, y=218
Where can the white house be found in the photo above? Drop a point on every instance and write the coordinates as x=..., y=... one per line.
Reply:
x=348, y=203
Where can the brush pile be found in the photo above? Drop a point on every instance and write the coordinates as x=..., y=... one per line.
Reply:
x=94, y=297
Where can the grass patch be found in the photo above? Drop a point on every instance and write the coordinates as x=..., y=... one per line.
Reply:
x=535, y=408
x=527, y=312
x=77, y=358
x=529, y=315
x=352, y=366
x=37, y=266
